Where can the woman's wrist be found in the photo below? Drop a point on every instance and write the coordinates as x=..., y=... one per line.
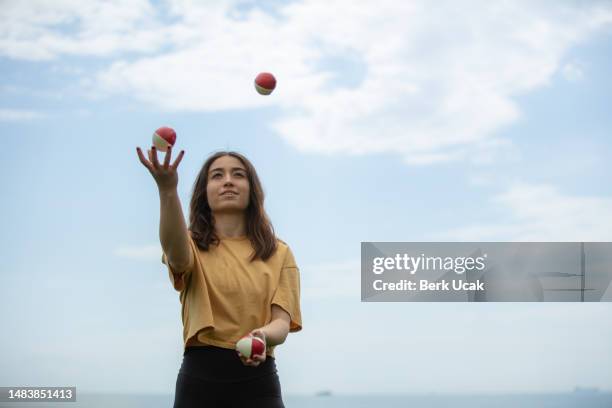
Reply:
x=168, y=191
x=274, y=333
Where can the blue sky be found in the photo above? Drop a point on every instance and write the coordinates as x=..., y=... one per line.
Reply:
x=389, y=123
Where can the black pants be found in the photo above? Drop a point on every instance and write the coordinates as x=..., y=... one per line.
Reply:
x=215, y=377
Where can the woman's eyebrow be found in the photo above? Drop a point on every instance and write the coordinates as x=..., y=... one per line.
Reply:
x=233, y=168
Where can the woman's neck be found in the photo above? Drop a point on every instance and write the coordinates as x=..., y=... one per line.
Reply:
x=230, y=225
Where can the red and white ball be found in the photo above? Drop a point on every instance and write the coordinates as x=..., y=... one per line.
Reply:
x=164, y=137
x=250, y=346
x=265, y=83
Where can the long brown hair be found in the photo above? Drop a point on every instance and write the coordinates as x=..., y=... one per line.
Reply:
x=259, y=229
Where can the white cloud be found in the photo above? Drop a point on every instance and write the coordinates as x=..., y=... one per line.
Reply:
x=437, y=83
x=542, y=213
x=19, y=115
x=42, y=30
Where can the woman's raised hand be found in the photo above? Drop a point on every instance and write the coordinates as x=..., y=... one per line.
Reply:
x=165, y=175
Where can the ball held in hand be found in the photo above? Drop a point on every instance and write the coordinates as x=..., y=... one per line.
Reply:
x=265, y=83
x=250, y=346
x=164, y=137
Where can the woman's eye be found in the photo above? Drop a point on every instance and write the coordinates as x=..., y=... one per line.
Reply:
x=215, y=175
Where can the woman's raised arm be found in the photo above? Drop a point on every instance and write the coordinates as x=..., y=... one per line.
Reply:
x=173, y=233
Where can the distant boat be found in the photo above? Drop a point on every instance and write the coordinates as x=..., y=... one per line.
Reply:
x=324, y=393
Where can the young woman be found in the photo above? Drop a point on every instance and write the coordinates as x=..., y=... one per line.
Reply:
x=234, y=276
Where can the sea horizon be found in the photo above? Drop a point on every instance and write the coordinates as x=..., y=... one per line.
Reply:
x=579, y=397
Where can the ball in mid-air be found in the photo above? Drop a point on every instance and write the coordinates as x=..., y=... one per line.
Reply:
x=250, y=346
x=164, y=137
x=265, y=83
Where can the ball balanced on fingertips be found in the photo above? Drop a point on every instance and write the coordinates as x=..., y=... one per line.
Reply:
x=250, y=346
x=265, y=83
x=163, y=138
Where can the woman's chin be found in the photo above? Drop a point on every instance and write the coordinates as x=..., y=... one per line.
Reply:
x=229, y=208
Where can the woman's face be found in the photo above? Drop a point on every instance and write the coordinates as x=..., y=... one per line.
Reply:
x=228, y=185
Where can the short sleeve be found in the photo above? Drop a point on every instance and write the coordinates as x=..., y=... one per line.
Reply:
x=179, y=277
x=287, y=294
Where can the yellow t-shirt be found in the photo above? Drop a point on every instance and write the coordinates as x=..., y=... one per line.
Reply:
x=224, y=296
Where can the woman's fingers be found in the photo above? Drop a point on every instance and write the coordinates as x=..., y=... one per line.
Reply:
x=167, y=158
x=252, y=363
x=150, y=157
x=248, y=361
x=154, y=155
x=255, y=360
x=259, y=359
x=143, y=160
x=178, y=160
x=153, y=163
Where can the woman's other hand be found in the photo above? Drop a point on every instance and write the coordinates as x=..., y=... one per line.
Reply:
x=255, y=360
